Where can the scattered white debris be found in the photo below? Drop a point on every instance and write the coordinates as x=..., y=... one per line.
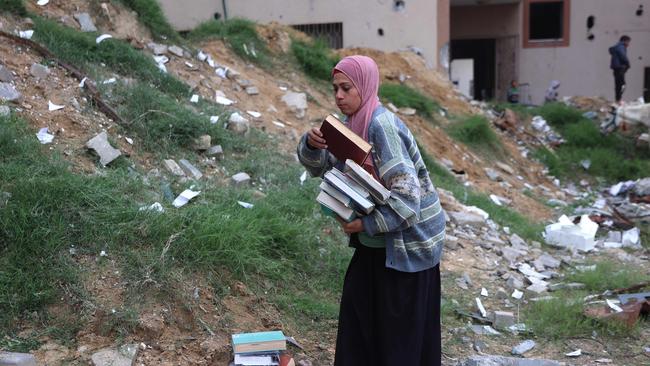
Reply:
x=26, y=34
x=104, y=254
x=195, y=98
x=42, y=2
x=214, y=119
x=517, y=294
x=283, y=88
x=190, y=65
x=303, y=177
x=210, y=61
x=621, y=187
x=44, y=137
x=162, y=68
x=223, y=100
x=586, y=163
x=631, y=238
x=109, y=81
x=185, y=197
x=540, y=124
x=279, y=124
x=82, y=83
x=566, y=234
x=603, y=360
x=221, y=72
x=254, y=114
x=54, y=107
x=162, y=59
x=481, y=308
x=496, y=200
x=201, y=56
x=484, y=292
x=245, y=204
x=101, y=38
x=129, y=140
x=613, y=306
x=155, y=207
x=575, y=353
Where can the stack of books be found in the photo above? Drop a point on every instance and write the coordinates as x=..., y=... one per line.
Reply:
x=259, y=348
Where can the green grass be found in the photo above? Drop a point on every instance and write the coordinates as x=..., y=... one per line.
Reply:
x=609, y=276
x=151, y=15
x=239, y=33
x=475, y=132
x=403, y=96
x=16, y=7
x=315, y=59
x=80, y=50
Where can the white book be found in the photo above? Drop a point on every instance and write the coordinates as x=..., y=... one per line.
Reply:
x=361, y=176
x=327, y=188
x=336, y=206
x=254, y=360
x=361, y=202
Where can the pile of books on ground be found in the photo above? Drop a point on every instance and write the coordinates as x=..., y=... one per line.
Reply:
x=351, y=193
x=260, y=349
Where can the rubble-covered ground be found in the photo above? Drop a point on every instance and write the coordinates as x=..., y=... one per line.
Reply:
x=501, y=291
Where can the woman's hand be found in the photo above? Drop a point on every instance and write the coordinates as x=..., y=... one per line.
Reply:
x=315, y=139
x=354, y=226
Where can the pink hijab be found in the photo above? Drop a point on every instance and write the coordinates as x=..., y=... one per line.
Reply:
x=364, y=74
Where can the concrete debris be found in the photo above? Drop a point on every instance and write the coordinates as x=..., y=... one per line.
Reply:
x=44, y=137
x=203, y=143
x=489, y=360
x=124, y=356
x=39, y=71
x=483, y=330
x=546, y=261
x=556, y=202
x=220, y=99
x=103, y=148
x=621, y=187
x=252, y=90
x=529, y=272
x=633, y=113
x=466, y=218
x=642, y=187
x=576, y=353
x=9, y=93
x=238, y=124
x=631, y=238
x=254, y=114
x=5, y=75
x=503, y=319
x=103, y=37
x=185, y=197
x=53, y=107
x=17, y=359
x=86, y=22
x=523, y=347
x=157, y=48
x=173, y=167
x=500, y=201
x=214, y=119
x=26, y=34
x=505, y=167
x=493, y=175
x=232, y=74
x=190, y=170
x=480, y=307
x=637, y=297
x=407, y=111
x=516, y=294
x=162, y=59
x=516, y=241
x=297, y=102
x=5, y=111
x=175, y=50
x=538, y=286
x=240, y=179
x=566, y=234
x=194, y=98
x=216, y=151
x=392, y=107
x=586, y=163
x=245, y=204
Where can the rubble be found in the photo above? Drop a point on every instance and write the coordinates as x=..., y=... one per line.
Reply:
x=5, y=75
x=523, y=347
x=238, y=124
x=203, y=142
x=503, y=319
x=490, y=360
x=44, y=137
x=216, y=151
x=17, y=359
x=124, y=356
x=175, y=50
x=190, y=170
x=173, y=167
x=157, y=48
x=297, y=102
x=184, y=197
x=5, y=111
x=240, y=179
x=103, y=148
x=9, y=93
x=566, y=234
x=252, y=90
x=642, y=187
x=493, y=175
x=86, y=22
x=39, y=71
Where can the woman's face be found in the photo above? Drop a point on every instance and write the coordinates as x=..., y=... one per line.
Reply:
x=347, y=96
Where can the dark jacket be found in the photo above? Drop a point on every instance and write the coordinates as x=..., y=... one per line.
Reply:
x=619, y=57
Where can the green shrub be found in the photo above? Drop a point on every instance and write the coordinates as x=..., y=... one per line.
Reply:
x=404, y=96
x=239, y=33
x=315, y=59
x=559, y=114
x=151, y=15
x=16, y=7
x=475, y=132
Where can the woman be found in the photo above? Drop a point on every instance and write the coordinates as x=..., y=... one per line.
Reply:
x=390, y=306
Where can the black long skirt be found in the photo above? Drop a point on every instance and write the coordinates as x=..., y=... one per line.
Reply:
x=388, y=317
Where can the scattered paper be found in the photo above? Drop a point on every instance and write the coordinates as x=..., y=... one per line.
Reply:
x=613, y=306
x=194, y=99
x=44, y=137
x=214, y=119
x=99, y=39
x=26, y=34
x=575, y=353
x=223, y=100
x=162, y=59
x=83, y=82
x=484, y=292
x=109, y=81
x=42, y=2
x=156, y=207
x=245, y=204
x=279, y=124
x=254, y=114
x=517, y=294
x=481, y=308
x=185, y=197
x=54, y=107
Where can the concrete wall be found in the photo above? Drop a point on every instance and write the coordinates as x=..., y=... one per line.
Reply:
x=583, y=67
x=416, y=25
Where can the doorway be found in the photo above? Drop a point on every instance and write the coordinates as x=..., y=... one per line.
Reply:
x=483, y=52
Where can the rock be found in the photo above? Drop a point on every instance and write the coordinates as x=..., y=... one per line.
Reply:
x=238, y=124
x=523, y=347
x=202, y=143
x=505, y=167
x=252, y=90
x=232, y=74
x=512, y=254
x=240, y=179
x=483, y=330
x=124, y=356
x=407, y=111
x=244, y=82
x=5, y=111
x=175, y=50
x=493, y=175
x=490, y=360
x=546, y=260
x=479, y=346
x=17, y=359
x=515, y=283
x=642, y=187
x=517, y=242
x=538, y=287
x=297, y=102
x=173, y=167
x=466, y=218
x=501, y=294
x=5, y=75
x=216, y=151
x=190, y=170
x=103, y=148
x=157, y=48
x=556, y=202
x=9, y=93
x=503, y=319
x=39, y=71
x=566, y=234
x=86, y=22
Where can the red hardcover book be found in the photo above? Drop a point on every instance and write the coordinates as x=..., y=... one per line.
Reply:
x=342, y=142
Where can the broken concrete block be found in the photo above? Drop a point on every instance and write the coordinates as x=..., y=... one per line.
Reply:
x=642, y=187
x=407, y=111
x=515, y=283
x=86, y=22
x=216, y=151
x=546, y=261
x=238, y=124
x=538, y=287
x=5, y=75
x=240, y=179
x=483, y=330
x=503, y=319
x=39, y=71
x=157, y=48
x=103, y=148
x=517, y=242
x=190, y=169
x=173, y=167
x=124, y=356
x=466, y=218
x=493, y=175
x=252, y=90
x=232, y=74
x=490, y=360
x=297, y=102
x=9, y=93
x=502, y=294
x=505, y=167
x=17, y=359
x=523, y=347
x=4, y=111
x=175, y=50
x=566, y=234
x=631, y=238
x=202, y=142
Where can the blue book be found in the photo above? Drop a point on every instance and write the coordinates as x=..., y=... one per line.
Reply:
x=259, y=342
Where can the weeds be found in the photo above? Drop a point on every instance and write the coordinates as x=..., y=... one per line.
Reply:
x=239, y=33
x=608, y=276
x=16, y=7
x=403, y=96
x=475, y=132
x=151, y=15
x=315, y=59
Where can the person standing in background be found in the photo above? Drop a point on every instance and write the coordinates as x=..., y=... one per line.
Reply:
x=619, y=64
